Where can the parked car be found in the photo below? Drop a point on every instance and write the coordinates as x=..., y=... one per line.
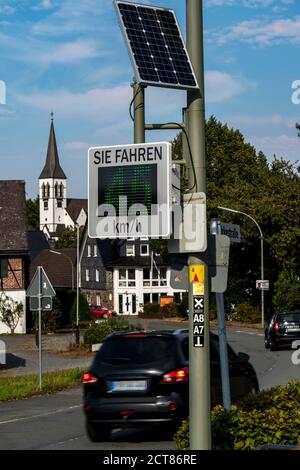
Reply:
x=140, y=378
x=101, y=312
x=282, y=330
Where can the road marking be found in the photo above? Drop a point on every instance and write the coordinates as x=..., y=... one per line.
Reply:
x=249, y=333
x=50, y=413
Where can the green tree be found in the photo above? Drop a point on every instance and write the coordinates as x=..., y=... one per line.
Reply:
x=287, y=291
x=68, y=238
x=10, y=311
x=33, y=212
x=241, y=178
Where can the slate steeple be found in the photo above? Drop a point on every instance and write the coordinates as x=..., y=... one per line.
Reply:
x=52, y=168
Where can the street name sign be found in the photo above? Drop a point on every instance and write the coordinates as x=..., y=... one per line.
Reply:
x=232, y=231
x=129, y=188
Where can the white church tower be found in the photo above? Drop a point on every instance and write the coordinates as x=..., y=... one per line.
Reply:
x=52, y=189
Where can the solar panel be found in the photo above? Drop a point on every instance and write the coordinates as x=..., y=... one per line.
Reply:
x=156, y=47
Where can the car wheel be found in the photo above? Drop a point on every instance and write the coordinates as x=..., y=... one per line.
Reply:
x=105, y=316
x=273, y=346
x=267, y=343
x=97, y=432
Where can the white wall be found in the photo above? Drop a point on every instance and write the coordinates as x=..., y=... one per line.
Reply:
x=17, y=296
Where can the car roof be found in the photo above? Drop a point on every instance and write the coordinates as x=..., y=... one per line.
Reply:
x=179, y=332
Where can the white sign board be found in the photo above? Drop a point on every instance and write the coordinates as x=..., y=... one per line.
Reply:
x=129, y=189
x=232, y=231
x=189, y=225
x=263, y=285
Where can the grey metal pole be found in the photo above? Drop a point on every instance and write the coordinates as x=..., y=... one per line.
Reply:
x=139, y=113
x=262, y=278
x=199, y=389
x=215, y=229
x=40, y=329
x=77, y=292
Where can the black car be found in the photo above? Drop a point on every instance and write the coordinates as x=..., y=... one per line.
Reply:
x=142, y=378
x=282, y=330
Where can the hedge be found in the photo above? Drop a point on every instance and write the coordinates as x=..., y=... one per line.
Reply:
x=96, y=332
x=270, y=417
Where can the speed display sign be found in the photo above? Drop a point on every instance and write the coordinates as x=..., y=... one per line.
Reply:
x=130, y=191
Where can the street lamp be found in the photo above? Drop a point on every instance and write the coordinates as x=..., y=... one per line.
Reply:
x=71, y=262
x=261, y=258
x=77, y=288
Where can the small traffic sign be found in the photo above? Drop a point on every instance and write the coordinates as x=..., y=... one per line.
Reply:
x=197, y=273
x=46, y=303
x=40, y=286
x=263, y=285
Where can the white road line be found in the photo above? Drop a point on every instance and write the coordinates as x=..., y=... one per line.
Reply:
x=50, y=413
x=249, y=333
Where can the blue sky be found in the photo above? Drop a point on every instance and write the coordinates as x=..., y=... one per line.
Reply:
x=70, y=57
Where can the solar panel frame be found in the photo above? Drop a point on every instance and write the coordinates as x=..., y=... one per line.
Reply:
x=178, y=54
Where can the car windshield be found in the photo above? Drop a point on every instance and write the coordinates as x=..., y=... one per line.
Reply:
x=137, y=350
x=289, y=317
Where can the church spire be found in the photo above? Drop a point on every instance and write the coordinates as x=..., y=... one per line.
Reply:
x=52, y=168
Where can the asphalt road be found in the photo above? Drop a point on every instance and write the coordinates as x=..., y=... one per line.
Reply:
x=56, y=422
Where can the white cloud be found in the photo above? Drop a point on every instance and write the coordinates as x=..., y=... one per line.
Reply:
x=96, y=103
x=7, y=10
x=44, y=5
x=261, y=32
x=281, y=146
x=221, y=86
x=76, y=146
x=247, y=3
x=69, y=52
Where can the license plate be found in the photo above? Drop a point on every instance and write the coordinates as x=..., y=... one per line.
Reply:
x=293, y=328
x=127, y=386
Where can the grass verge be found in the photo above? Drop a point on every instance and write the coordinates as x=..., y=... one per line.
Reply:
x=16, y=388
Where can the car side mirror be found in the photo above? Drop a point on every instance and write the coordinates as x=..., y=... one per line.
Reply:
x=243, y=357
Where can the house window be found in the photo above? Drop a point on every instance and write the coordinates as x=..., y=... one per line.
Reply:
x=87, y=275
x=127, y=278
x=89, y=251
x=130, y=250
x=98, y=300
x=147, y=299
x=95, y=251
x=61, y=190
x=144, y=250
x=146, y=277
x=97, y=275
x=59, y=203
x=46, y=206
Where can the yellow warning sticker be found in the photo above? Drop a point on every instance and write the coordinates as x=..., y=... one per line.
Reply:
x=198, y=288
x=197, y=273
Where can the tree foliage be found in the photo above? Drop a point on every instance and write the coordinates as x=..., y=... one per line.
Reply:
x=68, y=238
x=241, y=178
x=10, y=311
x=33, y=212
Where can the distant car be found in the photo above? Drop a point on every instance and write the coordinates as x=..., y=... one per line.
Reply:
x=140, y=378
x=282, y=330
x=101, y=312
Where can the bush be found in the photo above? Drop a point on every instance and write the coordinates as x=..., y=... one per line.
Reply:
x=52, y=320
x=246, y=313
x=287, y=291
x=96, y=332
x=183, y=306
x=270, y=417
x=84, y=310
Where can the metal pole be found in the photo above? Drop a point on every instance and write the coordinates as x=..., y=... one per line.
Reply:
x=215, y=230
x=262, y=273
x=199, y=389
x=139, y=113
x=77, y=292
x=40, y=328
x=262, y=278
